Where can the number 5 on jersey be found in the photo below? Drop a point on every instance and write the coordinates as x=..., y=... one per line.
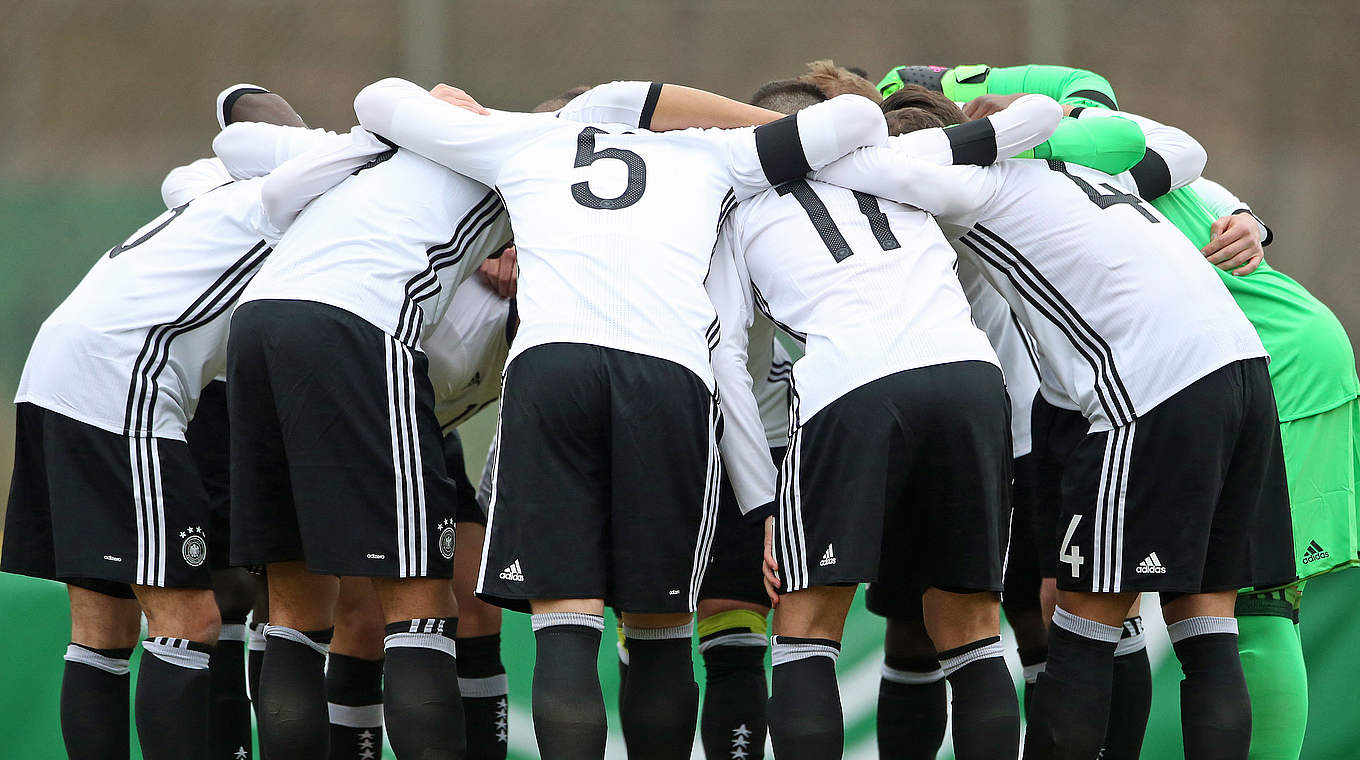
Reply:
x=1069, y=553
x=587, y=155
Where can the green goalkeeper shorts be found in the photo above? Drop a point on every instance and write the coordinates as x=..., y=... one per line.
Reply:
x=1322, y=461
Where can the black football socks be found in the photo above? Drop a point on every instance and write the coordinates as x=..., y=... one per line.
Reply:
x=94, y=703
x=732, y=721
x=291, y=705
x=354, y=705
x=986, y=712
x=805, y=703
x=421, y=706
x=173, y=698
x=1132, y=698
x=569, y=718
x=1072, y=696
x=1215, y=706
x=484, y=688
x=229, y=716
x=660, y=705
x=912, y=708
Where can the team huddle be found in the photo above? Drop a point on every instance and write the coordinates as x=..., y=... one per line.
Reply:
x=972, y=336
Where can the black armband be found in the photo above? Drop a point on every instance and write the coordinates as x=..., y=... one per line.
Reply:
x=649, y=105
x=973, y=143
x=781, y=150
x=1152, y=175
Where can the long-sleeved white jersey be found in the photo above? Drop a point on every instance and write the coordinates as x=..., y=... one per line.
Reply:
x=867, y=284
x=1120, y=305
x=133, y=345
x=614, y=224
x=467, y=349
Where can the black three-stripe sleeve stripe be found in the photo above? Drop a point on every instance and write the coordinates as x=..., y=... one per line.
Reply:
x=209, y=304
x=425, y=284
x=764, y=307
x=1050, y=302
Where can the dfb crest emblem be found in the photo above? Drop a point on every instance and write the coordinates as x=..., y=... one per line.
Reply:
x=195, y=547
x=446, y=539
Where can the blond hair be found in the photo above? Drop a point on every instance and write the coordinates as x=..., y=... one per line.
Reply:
x=833, y=80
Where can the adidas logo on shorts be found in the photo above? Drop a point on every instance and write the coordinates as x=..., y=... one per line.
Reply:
x=828, y=557
x=1314, y=553
x=512, y=573
x=1151, y=565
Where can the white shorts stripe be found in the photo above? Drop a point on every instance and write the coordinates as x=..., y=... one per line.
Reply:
x=397, y=482
x=1121, y=495
x=708, y=522
x=158, y=500
x=495, y=465
x=138, y=508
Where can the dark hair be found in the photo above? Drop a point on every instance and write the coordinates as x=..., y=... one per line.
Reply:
x=554, y=103
x=786, y=96
x=904, y=120
x=858, y=71
x=916, y=96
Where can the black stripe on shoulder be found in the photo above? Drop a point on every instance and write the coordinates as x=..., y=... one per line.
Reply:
x=1152, y=175
x=1095, y=95
x=973, y=143
x=781, y=150
x=649, y=105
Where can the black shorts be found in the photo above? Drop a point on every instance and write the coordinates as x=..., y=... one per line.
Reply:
x=468, y=509
x=1055, y=433
x=336, y=455
x=606, y=481
x=904, y=480
x=102, y=510
x=734, y=564
x=1022, y=573
x=209, y=439
x=1170, y=502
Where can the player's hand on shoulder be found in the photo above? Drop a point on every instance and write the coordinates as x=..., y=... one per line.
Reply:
x=986, y=105
x=1235, y=244
x=770, y=568
x=501, y=273
x=456, y=97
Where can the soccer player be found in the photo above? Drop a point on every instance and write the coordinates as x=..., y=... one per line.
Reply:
x=893, y=364
x=106, y=494
x=1171, y=378
x=607, y=472
x=965, y=84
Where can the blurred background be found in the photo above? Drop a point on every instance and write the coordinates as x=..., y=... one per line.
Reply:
x=102, y=98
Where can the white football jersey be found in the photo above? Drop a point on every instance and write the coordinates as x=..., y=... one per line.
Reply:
x=1015, y=349
x=615, y=225
x=1122, y=309
x=467, y=350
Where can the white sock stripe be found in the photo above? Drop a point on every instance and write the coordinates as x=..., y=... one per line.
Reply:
x=1200, y=626
x=953, y=664
x=233, y=632
x=433, y=641
x=1130, y=644
x=1083, y=627
x=734, y=640
x=484, y=688
x=657, y=634
x=356, y=716
x=541, y=620
x=1031, y=672
x=283, y=632
x=623, y=652
x=178, y=656
x=77, y=653
x=255, y=642
x=911, y=677
x=786, y=653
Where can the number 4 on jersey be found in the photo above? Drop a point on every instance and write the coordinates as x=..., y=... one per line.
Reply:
x=1069, y=553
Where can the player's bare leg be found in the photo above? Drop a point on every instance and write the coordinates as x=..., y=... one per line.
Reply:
x=805, y=706
x=1072, y=698
x=95, y=684
x=659, y=706
x=421, y=706
x=481, y=675
x=354, y=673
x=569, y=718
x=966, y=629
x=173, y=682
x=732, y=641
x=912, y=703
x=1215, y=706
x=292, y=700
x=229, y=719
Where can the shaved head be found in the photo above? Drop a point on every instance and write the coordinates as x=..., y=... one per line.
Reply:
x=249, y=102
